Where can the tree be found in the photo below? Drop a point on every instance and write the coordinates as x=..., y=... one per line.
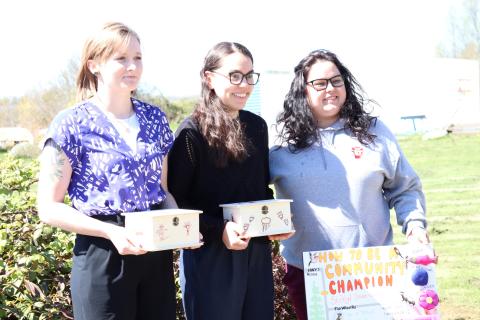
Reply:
x=8, y=113
x=36, y=109
x=464, y=27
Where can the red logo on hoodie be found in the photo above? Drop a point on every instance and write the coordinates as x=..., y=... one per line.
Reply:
x=357, y=152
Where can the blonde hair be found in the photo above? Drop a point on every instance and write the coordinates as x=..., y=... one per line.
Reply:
x=100, y=47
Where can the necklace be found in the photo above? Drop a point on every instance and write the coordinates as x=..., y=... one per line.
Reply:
x=127, y=112
x=124, y=125
x=128, y=129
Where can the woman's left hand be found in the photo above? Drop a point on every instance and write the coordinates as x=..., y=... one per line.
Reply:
x=418, y=235
x=197, y=245
x=281, y=236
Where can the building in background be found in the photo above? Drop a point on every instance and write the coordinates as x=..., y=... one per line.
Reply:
x=456, y=103
x=267, y=98
x=432, y=95
x=10, y=136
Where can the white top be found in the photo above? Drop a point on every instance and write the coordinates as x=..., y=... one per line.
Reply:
x=128, y=129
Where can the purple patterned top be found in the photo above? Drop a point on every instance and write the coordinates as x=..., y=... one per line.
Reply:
x=108, y=176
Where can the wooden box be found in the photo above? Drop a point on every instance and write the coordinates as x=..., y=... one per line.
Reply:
x=260, y=218
x=164, y=229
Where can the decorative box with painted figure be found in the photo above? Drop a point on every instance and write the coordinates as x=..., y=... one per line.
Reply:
x=260, y=218
x=164, y=229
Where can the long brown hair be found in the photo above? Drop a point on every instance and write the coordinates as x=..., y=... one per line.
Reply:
x=100, y=47
x=224, y=135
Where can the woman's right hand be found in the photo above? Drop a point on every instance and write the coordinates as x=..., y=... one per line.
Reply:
x=232, y=237
x=124, y=245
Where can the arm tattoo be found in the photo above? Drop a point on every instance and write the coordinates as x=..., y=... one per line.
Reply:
x=56, y=158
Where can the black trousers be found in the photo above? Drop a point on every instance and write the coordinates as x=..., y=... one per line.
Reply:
x=107, y=285
x=222, y=284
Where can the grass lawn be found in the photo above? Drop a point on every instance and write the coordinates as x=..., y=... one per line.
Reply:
x=450, y=171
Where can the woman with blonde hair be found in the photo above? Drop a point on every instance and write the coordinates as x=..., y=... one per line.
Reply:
x=108, y=152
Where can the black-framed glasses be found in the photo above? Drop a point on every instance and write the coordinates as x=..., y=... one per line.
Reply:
x=236, y=77
x=322, y=84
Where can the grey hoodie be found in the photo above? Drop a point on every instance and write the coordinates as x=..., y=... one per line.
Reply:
x=343, y=191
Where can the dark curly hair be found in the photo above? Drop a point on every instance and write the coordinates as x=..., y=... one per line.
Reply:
x=299, y=128
x=223, y=134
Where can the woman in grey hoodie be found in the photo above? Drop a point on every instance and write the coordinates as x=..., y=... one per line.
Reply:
x=342, y=167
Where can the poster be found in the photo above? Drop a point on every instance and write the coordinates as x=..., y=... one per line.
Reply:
x=388, y=282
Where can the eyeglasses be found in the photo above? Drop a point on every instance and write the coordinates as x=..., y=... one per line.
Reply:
x=322, y=84
x=237, y=77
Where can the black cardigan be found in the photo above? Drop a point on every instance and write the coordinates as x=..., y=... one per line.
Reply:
x=196, y=183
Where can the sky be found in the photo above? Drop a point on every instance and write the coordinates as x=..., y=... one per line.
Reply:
x=377, y=39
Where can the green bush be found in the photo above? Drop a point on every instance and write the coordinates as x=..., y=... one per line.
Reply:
x=35, y=259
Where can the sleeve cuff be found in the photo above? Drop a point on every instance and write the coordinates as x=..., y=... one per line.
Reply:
x=412, y=224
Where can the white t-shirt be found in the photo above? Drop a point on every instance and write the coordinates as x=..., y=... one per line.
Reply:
x=128, y=129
